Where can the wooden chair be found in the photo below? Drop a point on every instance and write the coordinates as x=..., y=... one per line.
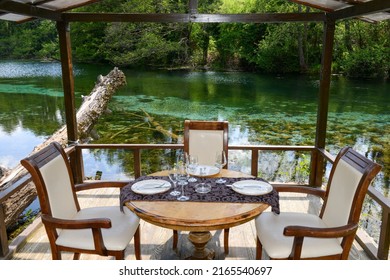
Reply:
x=329, y=235
x=102, y=230
x=204, y=139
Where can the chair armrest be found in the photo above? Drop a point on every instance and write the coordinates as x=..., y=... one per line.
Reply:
x=300, y=232
x=301, y=189
x=76, y=224
x=95, y=225
x=332, y=232
x=100, y=184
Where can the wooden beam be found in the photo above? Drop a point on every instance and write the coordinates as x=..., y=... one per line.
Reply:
x=361, y=9
x=29, y=10
x=4, y=250
x=323, y=101
x=67, y=79
x=69, y=97
x=200, y=18
x=325, y=79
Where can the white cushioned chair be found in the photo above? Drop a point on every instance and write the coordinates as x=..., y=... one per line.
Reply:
x=329, y=235
x=204, y=139
x=102, y=230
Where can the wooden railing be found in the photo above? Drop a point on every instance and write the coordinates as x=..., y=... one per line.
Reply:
x=75, y=154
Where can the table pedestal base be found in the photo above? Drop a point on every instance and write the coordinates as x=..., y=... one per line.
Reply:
x=200, y=240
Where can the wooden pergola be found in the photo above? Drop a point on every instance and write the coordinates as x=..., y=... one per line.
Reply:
x=328, y=12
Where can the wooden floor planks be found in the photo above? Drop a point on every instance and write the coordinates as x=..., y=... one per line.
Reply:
x=156, y=242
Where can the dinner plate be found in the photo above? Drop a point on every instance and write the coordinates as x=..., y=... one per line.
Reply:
x=252, y=187
x=204, y=171
x=151, y=186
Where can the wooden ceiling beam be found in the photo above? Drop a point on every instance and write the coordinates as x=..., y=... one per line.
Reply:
x=29, y=10
x=200, y=18
x=374, y=6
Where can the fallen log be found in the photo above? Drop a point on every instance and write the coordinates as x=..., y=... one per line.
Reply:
x=93, y=106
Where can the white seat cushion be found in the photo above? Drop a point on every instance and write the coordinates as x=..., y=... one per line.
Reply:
x=270, y=228
x=124, y=224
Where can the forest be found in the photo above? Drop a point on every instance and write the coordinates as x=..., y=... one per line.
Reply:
x=361, y=50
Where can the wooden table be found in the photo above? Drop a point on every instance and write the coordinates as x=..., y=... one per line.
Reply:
x=199, y=218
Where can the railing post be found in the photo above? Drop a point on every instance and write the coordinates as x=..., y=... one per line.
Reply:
x=77, y=160
x=4, y=249
x=313, y=168
x=255, y=162
x=137, y=163
x=384, y=237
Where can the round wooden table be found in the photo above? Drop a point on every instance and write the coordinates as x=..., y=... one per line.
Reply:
x=199, y=218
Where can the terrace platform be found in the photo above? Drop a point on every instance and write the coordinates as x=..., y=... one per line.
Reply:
x=156, y=242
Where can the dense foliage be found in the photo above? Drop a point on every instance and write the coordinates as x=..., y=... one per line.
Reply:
x=361, y=49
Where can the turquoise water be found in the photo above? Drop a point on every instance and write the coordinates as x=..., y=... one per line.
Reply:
x=261, y=109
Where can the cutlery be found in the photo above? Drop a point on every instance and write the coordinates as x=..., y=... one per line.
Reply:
x=153, y=186
x=245, y=187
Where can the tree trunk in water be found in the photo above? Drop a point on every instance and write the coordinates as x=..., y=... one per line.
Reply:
x=93, y=106
x=301, y=42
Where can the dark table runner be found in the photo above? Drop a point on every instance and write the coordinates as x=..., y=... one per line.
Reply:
x=218, y=193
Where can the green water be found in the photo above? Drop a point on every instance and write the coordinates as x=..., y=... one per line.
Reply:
x=261, y=109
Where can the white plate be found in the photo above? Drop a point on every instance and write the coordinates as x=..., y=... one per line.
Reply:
x=252, y=187
x=208, y=170
x=151, y=186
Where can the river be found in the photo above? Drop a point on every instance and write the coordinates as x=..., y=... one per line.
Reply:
x=261, y=109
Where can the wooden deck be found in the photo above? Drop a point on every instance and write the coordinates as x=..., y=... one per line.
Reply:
x=156, y=242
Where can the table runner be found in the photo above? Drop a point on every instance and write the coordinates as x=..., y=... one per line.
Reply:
x=218, y=193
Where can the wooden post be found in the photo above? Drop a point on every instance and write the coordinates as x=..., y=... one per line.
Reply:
x=67, y=79
x=4, y=249
x=137, y=163
x=255, y=162
x=193, y=6
x=317, y=164
x=69, y=96
x=384, y=237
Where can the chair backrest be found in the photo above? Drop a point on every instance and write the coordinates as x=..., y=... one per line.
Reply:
x=348, y=183
x=51, y=174
x=205, y=138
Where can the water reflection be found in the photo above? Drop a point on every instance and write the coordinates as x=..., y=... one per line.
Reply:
x=260, y=110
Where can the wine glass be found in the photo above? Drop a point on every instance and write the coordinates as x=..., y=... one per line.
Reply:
x=173, y=177
x=220, y=162
x=192, y=164
x=182, y=180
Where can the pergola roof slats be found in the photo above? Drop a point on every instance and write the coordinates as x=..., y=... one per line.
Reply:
x=325, y=5
x=367, y=9
x=27, y=9
x=23, y=10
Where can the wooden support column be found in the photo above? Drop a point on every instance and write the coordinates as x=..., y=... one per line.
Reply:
x=317, y=164
x=193, y=6
x=4, y=249
x=69, y=96
x=67, y=79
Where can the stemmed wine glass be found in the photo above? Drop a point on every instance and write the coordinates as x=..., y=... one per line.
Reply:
x=192, y=164
x=182, y=180
x=220, y=162
x=173, y=177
